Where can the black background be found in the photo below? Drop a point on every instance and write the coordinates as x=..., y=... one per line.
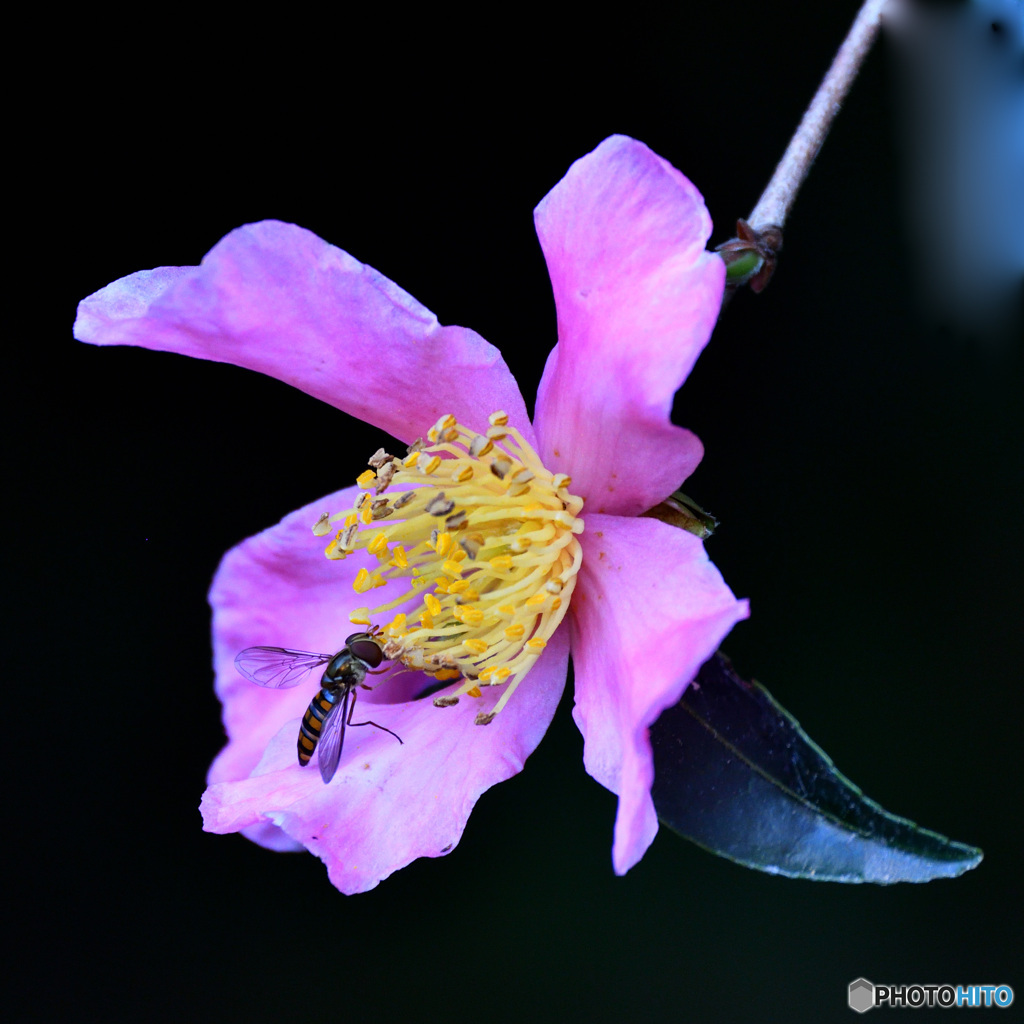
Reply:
x=865, y=464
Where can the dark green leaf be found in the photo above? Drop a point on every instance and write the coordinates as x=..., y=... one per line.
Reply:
x=735, y=773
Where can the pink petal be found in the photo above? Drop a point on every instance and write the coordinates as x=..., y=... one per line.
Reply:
x=649, y=610
x=277, y=589
x=276, y=298
x=391, y=803
x=637, y=297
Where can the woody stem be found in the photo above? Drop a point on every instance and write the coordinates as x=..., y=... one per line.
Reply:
x=775, y=202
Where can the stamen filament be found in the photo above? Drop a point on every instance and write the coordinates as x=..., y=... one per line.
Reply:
x=480, y=521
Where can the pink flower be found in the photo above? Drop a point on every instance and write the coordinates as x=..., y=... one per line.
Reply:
x=637, y=296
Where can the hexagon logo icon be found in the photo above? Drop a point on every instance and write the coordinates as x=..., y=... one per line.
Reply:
x=861, y=996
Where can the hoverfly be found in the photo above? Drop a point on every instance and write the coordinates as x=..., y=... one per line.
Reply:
x=331, y=710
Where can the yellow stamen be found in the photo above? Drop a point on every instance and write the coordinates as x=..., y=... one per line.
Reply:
x=479, y=519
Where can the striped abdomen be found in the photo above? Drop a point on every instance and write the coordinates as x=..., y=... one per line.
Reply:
x=313, y=721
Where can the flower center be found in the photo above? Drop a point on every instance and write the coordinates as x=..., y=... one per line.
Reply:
x=482, y=538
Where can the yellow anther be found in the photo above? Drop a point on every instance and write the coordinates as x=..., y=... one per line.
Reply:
x=463, y=474
x=444, y=675
x=430, y=464
x=362, y=581
x=359, y=616
x=397, y=624
x=471, y=616
x=366, y=514
x=474, y=691
x=432, y=603
x=539, y=598
x=537, y=643
x=507, y=609
x=427, y=621
x=365, y=479
x=351, y=519
x=379, y=544
x=501, y=562
x=480, y=446
x=441, y=585
x=486, y=675
x=502, y=673
x=444, y=544
x=452, y=567
x=398, y=556
x=561, y=481
x=322, y=526
x=475, y=646
x=515, y=632
x=458, y=586
x=499, y=418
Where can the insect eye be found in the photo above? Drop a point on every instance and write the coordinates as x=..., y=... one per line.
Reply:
x=365, y=649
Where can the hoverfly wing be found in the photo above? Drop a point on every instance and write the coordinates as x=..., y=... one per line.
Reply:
x=278, y=667
x=332, y=737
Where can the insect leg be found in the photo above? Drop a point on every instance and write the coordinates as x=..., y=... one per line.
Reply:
x=356, y=725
